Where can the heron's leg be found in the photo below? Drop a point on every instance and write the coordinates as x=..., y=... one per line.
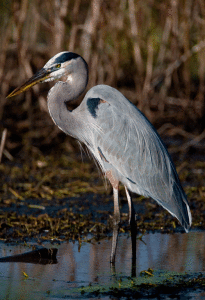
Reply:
x=116, y=222
x=116, y=206
x=131, y=207
x=133, y=230
x=116, y=218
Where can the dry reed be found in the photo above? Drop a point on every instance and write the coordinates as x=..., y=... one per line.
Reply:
x=153, y=51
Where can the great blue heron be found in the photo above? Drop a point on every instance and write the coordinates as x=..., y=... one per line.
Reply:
x=122, y=140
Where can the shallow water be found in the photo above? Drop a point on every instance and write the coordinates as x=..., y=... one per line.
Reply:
x=90, y=265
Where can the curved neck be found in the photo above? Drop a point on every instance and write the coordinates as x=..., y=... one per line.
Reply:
x=63, y=92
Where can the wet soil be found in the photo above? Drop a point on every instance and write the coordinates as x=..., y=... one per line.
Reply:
x=63, y=197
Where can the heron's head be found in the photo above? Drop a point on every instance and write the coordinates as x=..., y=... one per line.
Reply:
x=62, y=64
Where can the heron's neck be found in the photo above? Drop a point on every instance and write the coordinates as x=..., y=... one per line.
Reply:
x=63, y=92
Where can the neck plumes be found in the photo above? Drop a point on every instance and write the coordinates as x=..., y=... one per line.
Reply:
x=63, y=92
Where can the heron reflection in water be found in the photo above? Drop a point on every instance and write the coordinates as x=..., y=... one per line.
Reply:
x=122, y=140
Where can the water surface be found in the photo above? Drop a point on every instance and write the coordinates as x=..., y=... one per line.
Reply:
x=89, y=264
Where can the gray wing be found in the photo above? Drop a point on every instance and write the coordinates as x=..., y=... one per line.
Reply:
x=127, y=142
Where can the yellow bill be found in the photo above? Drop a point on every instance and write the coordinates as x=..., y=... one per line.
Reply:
x=38, y=77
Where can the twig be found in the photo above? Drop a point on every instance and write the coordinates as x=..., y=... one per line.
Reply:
x=90, y=28
x=149, y=72
x=3, y=141
x=187, y=145
x=177, y=63
x=8, y=155
x=193, y=141
x=135, y=36
x=173, y=130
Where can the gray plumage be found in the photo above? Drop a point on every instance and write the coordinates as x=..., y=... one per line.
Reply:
x=118, y=135
x=128, y=141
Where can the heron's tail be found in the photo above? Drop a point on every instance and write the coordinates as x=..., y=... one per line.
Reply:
x=180, y=208
x=184, y=213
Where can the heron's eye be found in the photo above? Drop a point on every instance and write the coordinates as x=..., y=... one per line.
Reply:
x=58, y=66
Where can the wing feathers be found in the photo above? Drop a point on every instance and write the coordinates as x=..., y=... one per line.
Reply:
x=133, y=148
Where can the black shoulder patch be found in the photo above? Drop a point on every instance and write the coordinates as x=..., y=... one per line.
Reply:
x=92, y=104
x=65, y=57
